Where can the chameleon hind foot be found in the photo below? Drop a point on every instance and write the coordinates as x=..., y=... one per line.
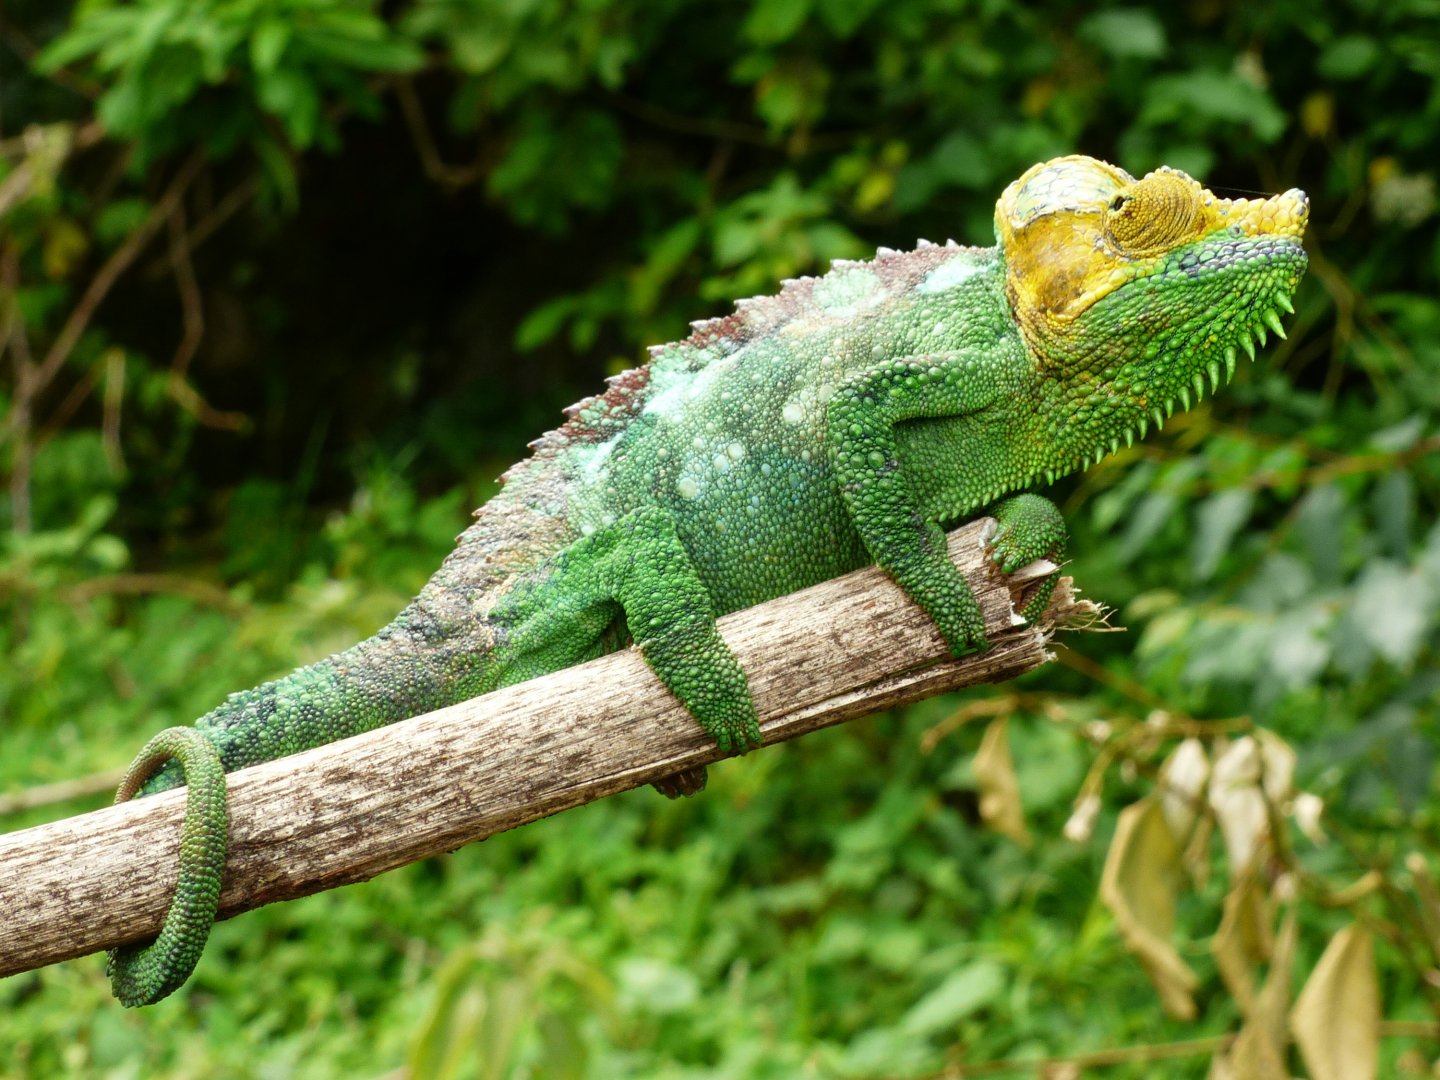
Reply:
x=684, y=783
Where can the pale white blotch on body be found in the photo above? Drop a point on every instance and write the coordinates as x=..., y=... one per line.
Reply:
x=840, y=294
x=593, y=458
x=671, y=389
x=947, y=275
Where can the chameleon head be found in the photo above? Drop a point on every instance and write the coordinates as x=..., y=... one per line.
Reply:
x=1129, y=292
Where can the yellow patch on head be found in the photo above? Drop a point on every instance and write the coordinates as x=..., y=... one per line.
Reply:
x=1075, y=229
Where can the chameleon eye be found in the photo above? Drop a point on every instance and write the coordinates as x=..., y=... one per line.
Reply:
x=1156, y=214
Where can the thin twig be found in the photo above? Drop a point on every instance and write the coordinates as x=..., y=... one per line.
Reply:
x=17, y=342
x=110, y=409
x=1117, y=1055
x=439, y=170
x=192, y=310
x=229, y=205
x=109, y=273
x=194, y=589
x=84, y=787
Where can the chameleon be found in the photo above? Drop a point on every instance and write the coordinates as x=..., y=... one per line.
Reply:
x=845, y=420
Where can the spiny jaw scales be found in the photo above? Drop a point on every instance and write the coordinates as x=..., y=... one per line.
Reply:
x=1246, y=334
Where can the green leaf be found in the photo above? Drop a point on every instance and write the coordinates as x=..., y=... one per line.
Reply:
x=544, y=322
x=1217, y=521
x=1392, y=609
x=844, y=17
x=960, y=159
x=1125, y=33
x=1152, y=514
x=1348, y=57
x=480, y=52
x=1398, y=438
x=1207, y=98
x=366, y=53
x=1394, y=505
x=119, y=219
x=655, y=986
x=268, y=44
x=961, y=994
x=1320, y=524
x=122, y=108
x=773, y=21
x=279, y=170
x=291, y=97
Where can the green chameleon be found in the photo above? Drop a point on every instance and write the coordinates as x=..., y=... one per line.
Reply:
x=844, y=421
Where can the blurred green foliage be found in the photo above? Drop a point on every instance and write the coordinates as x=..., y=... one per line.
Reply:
x=285, y=283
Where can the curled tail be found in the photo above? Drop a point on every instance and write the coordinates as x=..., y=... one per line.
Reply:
x=410, y=667
x=143, y=974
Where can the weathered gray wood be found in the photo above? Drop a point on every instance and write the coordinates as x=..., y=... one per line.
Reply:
x=356, y=808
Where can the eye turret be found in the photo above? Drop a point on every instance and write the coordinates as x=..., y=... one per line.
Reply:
x=1154, y=214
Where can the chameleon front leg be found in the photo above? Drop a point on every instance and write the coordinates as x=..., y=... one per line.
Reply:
x=143, y=974
x=864, y=456
x=1030, y=528
x=639, y=564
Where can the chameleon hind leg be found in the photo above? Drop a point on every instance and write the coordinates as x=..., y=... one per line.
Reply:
x=639, y=564
x=144, y=973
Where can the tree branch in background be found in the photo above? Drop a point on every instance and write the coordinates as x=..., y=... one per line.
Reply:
x=193, y=320
x=436, y=168
x=110, y=272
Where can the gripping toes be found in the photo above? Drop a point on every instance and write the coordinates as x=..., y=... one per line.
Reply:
x=1030, y=529
x=949, y=601
x=701, y=671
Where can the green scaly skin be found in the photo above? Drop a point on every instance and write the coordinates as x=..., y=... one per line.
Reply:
x=846, y=420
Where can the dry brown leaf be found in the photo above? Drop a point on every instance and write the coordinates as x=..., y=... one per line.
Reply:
x=1277, y=766
x=1336, y=1019
x=1140, y=885
x=1243, y=940
x=1081, y=824
x=1239, y=802
x=999, y=790
x=1258, y=1052
x=1307, y=809
x=1197, y=852
x=1182, y=786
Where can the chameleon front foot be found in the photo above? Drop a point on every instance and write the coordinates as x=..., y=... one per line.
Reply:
x=144, y=973
x=1030, y=529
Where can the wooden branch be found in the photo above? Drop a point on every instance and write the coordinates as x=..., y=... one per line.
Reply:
x=356, y=808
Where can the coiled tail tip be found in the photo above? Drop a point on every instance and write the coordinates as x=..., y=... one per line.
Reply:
x=144, y=973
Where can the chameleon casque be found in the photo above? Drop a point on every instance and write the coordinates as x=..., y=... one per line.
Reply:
x=844, y=421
